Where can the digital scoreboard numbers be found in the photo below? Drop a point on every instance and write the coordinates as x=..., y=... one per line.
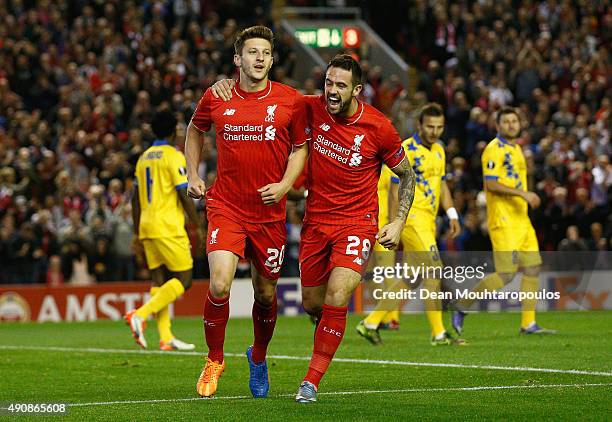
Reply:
x=345, y=37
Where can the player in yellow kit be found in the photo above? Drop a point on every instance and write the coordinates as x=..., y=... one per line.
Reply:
x=158, y=211
x=419, y=236
x=515, y=246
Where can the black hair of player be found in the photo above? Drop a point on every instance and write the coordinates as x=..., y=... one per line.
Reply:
x=164, y=124
x=258, y=31
x=505, y=110
x=347, y=62
x=431, y=110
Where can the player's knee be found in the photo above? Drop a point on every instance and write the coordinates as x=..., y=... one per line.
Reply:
x=219, y=288
x=265, y=296
x=506, y=277
x=220, y=283
x=533, y=271
x=185, y=278
x=186, y=283
x=337, y=297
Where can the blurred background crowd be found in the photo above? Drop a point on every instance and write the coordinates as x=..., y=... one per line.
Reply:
x=80, y=81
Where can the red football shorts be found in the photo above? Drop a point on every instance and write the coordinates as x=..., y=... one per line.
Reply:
x=324, y=247
x=262, y=243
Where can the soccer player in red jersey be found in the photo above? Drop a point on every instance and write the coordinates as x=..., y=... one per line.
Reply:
x=350, y=142
x=261, y=136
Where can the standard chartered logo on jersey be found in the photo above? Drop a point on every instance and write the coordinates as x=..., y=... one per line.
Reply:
x=337, y=152
x=249, y=132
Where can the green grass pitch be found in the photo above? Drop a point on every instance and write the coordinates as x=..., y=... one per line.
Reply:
x=65, y=363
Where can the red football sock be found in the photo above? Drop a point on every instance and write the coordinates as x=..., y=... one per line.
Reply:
x=264, y=320
x=216, y=314
x=327, y=339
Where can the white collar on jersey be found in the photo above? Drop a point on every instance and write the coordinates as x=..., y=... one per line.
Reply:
x=343, y=118
x=258, y=98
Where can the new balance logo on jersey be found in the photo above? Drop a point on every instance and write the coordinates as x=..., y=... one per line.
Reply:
x=357, y=146
x=270, y=110
x=325, y=127
x=229, y=112
x=355, y=159
x=213, y=236
x=270, y=133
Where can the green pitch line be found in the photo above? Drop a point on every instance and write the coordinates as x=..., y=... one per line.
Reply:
x=307, y=358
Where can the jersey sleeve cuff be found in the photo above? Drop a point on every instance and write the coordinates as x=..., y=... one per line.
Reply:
x=489, y=177
x=443, y=177
x=197, y=126
x=395, y=179
x=181, y=186
x=302, y=143
x=399, y=157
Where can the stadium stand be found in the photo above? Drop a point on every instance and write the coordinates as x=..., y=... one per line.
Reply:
x=79, y=82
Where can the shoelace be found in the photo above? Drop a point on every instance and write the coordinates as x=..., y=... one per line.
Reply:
x=308, y=390
x=210, y=370
x=258, y=370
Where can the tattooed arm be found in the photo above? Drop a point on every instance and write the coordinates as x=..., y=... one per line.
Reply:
x=389, y=235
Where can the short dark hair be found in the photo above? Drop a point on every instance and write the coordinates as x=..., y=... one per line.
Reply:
x=506, y=110
x=258, y=31
x=431, y=110
x=164, y=124
x=347, y=62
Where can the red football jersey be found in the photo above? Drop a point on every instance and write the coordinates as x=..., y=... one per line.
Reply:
x=346, y=155
x=255, y=134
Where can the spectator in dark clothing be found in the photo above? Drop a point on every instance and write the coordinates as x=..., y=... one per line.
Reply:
x=573, y=241
x=101, y=260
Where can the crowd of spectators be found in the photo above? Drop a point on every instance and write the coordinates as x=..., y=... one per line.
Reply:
x=80, y=81
x=551, y=59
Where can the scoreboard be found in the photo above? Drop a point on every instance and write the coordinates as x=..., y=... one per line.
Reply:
x=329, y=37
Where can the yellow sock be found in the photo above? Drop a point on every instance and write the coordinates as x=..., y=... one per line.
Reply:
x=528, y=284
x=433, y=308
x=383, y=307
x=387, y=318
x=163, y=320
x=391, y=316
x=395, y=315
x=374, y=319
x=490, y=283
x=166, y=294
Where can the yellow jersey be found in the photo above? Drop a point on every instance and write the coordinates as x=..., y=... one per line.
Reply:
x=161, y=171
x=505, y=163
x=387, y=177
x=429, y=165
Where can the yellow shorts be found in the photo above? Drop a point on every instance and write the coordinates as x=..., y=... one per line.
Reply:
x=515, y=247
x=382, y=257
x=420, y=245
x=173, y=252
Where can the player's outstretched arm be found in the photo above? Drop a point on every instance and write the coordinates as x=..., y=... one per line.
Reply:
x=196, y=187
x=191, y=212
x=223, y=89
x=274, y=192
x=389, y=236
x=494, y=186
x=449, y=206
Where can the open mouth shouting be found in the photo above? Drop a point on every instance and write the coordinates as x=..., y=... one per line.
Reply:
x=334, y=102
